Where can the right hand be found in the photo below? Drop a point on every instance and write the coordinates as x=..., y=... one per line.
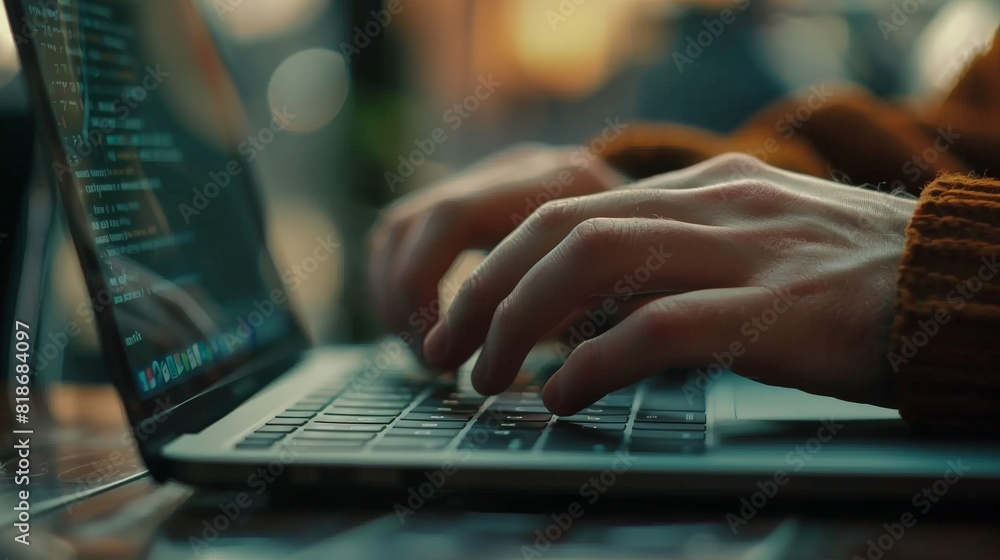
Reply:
x=417, y=239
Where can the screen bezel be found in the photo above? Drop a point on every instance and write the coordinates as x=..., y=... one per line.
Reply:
x=204, y=398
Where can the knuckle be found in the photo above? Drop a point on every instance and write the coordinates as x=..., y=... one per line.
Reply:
x=591, y=355
x=659, y=321
x=756, y=196
x=447, y=210
x=594, y=234
x=735, y=163
x=505, y=316
x=472, y=288
x=552, y=214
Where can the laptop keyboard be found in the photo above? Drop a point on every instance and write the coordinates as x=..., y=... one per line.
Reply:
x=654, y=416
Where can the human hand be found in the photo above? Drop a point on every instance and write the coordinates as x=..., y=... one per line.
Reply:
x=797, y=272
x=417, y=239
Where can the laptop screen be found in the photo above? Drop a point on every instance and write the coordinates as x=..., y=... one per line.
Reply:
x=149, y=128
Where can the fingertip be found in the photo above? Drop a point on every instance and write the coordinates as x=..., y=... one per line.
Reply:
x=435, y=345
x=557, y=398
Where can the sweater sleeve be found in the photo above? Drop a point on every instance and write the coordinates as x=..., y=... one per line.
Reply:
x=945, y=352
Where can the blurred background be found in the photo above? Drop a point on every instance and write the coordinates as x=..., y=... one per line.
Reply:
x=370, y=80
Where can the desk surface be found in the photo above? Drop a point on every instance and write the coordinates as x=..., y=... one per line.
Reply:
x=126, y=515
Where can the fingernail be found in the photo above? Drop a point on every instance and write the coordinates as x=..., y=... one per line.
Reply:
x=436, y=343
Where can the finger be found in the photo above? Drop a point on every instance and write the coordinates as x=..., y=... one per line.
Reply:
x=383, y=243
x=635, y=256
x=679, y=331
x=476, y=221
x=598, y=315
x=427, y=250
x=506, y=265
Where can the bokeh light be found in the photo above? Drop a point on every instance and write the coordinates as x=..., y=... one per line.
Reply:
x=251, y=20
x=310, y=87
x=9, y=65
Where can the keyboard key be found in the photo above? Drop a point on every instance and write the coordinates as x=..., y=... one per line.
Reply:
x=267, y=435
x=523, y=417
x=613, y=427
x=667, y=426
x=406, y=397
x=381, y=390
x=295, y=414
x=373, y=403
x=256, y=444
x=328, y=435
x=475, y=402
x=276, y=429
x=411, y=432
x=335, y=419
x=668, y=435
x=287, y=422
x=513, y=440
x=613, y=410
x=491, y=424
x=350, y=411
x=671, y=416
x=673, y=401
x=455, y=409
x=374, y=428
x=594, y=418
x=317, y=445
x=441, y=417
x=410, y=443
x=615, y=401
x=419, y=425
x=519, y=409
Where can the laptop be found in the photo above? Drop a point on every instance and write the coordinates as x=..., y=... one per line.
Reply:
x=222, y=387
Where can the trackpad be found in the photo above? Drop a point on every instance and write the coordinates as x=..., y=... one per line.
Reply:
x=756, y=401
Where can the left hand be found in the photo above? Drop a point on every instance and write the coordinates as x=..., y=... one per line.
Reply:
x=792, y=276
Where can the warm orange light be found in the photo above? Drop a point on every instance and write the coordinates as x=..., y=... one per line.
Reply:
x=9, y=65
x=565, y=46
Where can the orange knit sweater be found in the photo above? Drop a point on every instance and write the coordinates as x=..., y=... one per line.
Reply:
x=945, y=351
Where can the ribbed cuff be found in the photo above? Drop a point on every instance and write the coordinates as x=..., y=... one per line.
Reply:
x=945, y=353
